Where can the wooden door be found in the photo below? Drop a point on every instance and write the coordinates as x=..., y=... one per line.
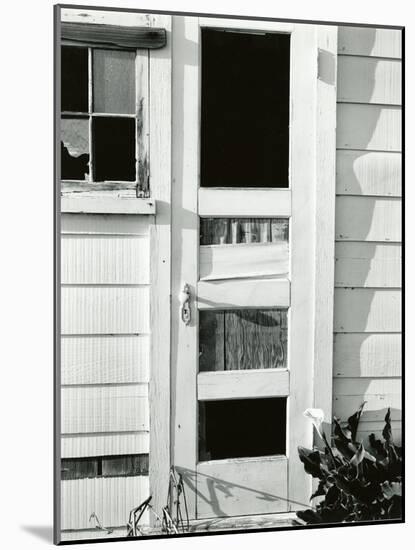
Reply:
x=242, y=365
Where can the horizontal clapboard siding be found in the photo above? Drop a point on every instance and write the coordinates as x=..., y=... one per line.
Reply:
x=369, y=173
x=103, y=444
x=104, y=224
x=87, y=409
x=104, y=359
x=363, y=264
x=368, y=219
x=367, y=307
x=111, y=499
x=368, y=127
x=367, y=355
x=105, y=310
x=104, y=260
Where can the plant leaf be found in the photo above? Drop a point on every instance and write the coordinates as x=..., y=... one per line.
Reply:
x=391, y=489
x=311, y=461
x=309, y=516
x=387, y=430
x=353, y=421
x=358, y=456
x=320, y=491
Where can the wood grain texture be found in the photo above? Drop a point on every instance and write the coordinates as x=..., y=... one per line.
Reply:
x=87, y=409
x=244, y=202
x=104, y=260
x=368, y=219
x=104, y=224
x=142, y=109
x=324, y=220
x=112, y=36
x=367, y=310
x=368, y=265
x=368, y=173
x=369, y=127
x=369, y=80
x=370, y=42
x=367, y=355
x=243, y=293
x=111, y=499
x=160, y=112
x=243, y=260
x=241, y=487
x=121, y=18
x=104, y=204
x=76, y=446
x=105, y=310
x=242, y=384
x=104, y=359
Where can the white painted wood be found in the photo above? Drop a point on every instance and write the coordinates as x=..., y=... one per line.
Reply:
x=242, y=487
x=324, y=220
x=243, y=384
x=244, y=202
x=104, y=359
x=105, y=260
x=367, y=310
x=246, y=25
x=89, y=409
x=363, y=435
x=76, y=446
x=369, y=127
x=122, y=18
x=369, y=80
x=367, y=355
x=243, y=293
x=368, y=219
x=160, y=78
x=368, y=173
x=111, y=499
x=105, y=310
x=107, y=205
x=368, y=265
x=370, y=386
x=97, y=224
x=243, y=260
x=368, y=41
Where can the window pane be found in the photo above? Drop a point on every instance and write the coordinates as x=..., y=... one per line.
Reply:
x=114, y=81
x=131, y=465
x=74, y=148
x=74, y=79
x=238, y=428
x=243, y=230
x=245, y=109
x=79, y=468
x=113, y=141
x=242, y=339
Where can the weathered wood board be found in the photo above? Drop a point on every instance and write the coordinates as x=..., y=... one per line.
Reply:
x=370, y=42
x=79, y=445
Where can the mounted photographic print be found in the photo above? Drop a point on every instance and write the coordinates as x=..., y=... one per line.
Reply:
x=228, y=269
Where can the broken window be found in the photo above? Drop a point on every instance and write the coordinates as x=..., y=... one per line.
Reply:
x=243, y=230
x=104, y=466
x=101, y=118
x=245, y=109
x=238, y=428
x=240, y=339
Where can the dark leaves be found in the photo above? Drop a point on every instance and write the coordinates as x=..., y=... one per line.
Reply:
x=353, y=421
x=311, y=461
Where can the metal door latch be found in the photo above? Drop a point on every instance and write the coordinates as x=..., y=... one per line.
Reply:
x=184, y=298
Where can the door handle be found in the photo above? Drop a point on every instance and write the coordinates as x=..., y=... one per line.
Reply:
x=184, y=298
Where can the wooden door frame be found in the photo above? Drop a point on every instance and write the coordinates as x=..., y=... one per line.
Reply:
x=165, y=437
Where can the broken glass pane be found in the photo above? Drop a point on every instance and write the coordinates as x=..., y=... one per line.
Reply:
x=74, y=148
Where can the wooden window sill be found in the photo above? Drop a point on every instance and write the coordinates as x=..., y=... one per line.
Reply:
x=107, y=205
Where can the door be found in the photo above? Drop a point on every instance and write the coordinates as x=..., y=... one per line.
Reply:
x=242, y=262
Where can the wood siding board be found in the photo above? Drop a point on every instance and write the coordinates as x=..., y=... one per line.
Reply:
x=80, y=445
x=242, y=384
x=363, y=264
x=369, y=80
x=244, y=202
x=103, y=204
x=121, y=18
x=88, y=409
x=237, y=487
x=243, y=293
x=367, y=355
x=111, y=499
x=105, y=310
x=368, y=219
x=367, y=310
x=375, y=409
x=370, y=42
x=368, y=127
x=104, y=260
x=243, y=260
x=368, y=173
x=104, y=224
x=104, y=359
